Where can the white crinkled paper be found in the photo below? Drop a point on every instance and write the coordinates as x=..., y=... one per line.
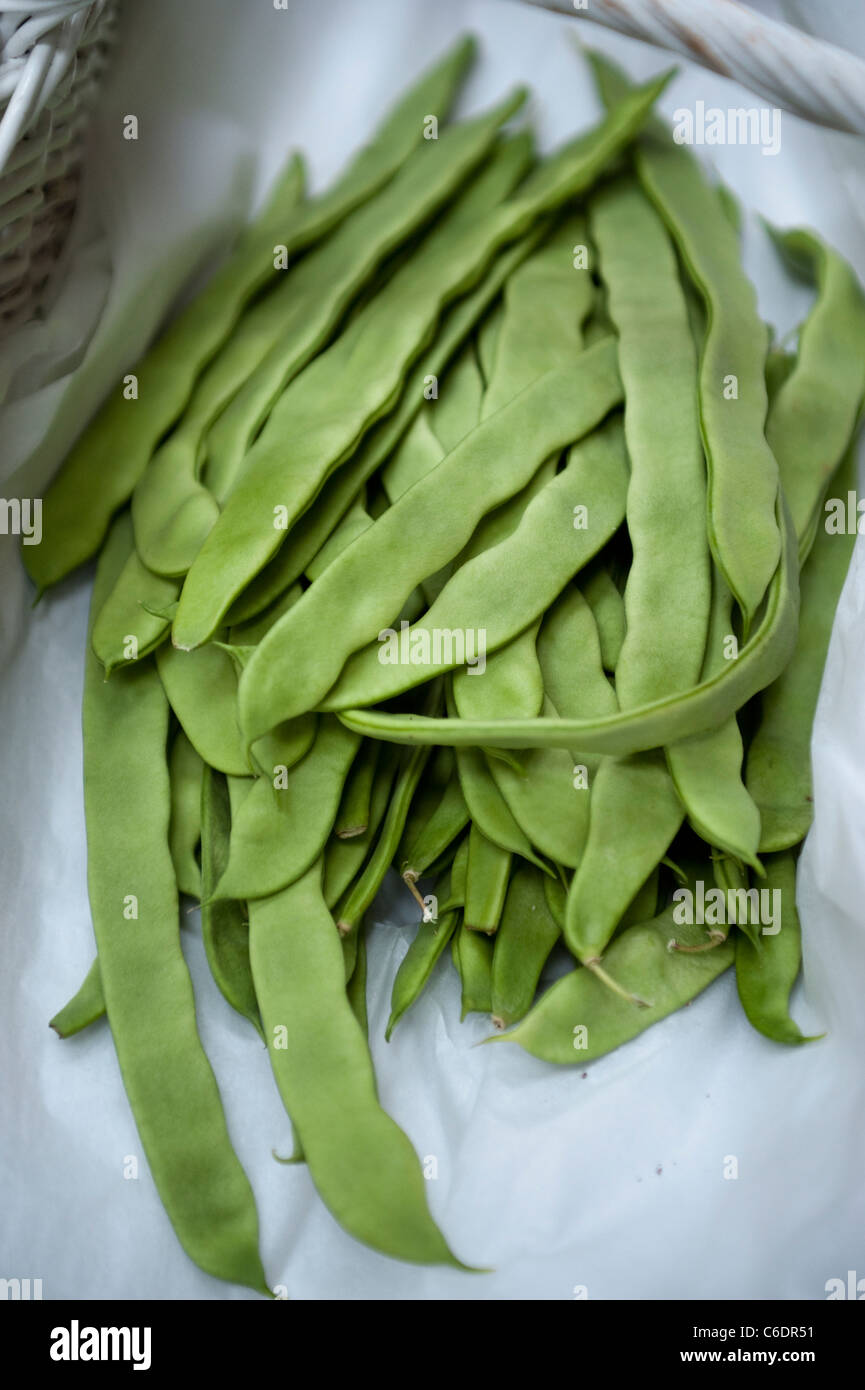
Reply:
x=612, y=1180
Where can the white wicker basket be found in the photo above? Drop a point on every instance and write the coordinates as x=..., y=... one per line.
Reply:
x=51, y=55
x=802, y=74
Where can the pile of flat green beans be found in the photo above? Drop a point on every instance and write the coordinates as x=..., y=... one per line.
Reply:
x=467, y=523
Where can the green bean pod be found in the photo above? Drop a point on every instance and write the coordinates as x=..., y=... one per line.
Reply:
x=148, y=992
x=362, y=1164
x=608, y=609
x=133, y=620
x=813, y=414
x=472, y=954
x=224, y=928
x=354, y=808
x=458, y=407
x=766, y=972
x=608, y=877
x=488, y=868
x=362, y=893
x=417, y=965
x=707, y=768
x=284, y=822
x=356, y=984
x=579, y=1019
x=742, y=470
x=654, y=725
x=344, y=859
x=185, y=770
x=431, y=838
x=85, y=1007
x=527, y=933
x=316, y=524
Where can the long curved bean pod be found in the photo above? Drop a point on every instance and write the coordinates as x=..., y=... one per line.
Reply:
x=744, y=534
x=742, y=470
x=417, y=965
x=545, y=303
x=355, y=985
x=634, y=813
x=377, y=349
x=352, y=818
x=370, y=1179
x=668, y=589
x=667, y=595
x=456, y=893
x=148, y=993
x=653, y=725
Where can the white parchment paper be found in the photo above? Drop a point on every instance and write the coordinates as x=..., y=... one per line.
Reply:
x=609, y=1177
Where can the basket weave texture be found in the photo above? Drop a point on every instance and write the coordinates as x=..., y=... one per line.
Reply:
x=51, y=58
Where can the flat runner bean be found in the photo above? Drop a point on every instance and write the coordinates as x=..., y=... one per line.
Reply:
x=85, y=1007
x=185, y=770
x=224, y=928
x=766, y=973
x=527, y=933
x=148, y=992
x=653, y=725
x=362, y=1164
